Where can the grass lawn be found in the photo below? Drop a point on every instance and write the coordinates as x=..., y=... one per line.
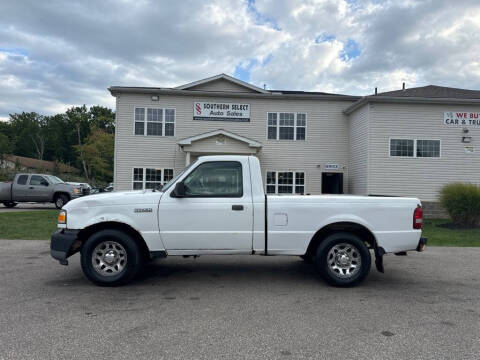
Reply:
x=440, y=236
x=41, y=224
x=28, y=225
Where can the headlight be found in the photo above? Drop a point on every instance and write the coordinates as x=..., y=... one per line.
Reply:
x=62, y=217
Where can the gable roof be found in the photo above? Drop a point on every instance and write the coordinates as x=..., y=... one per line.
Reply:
x=222, y=77
x=433, y=91
x=430, y=94
x=250, y=142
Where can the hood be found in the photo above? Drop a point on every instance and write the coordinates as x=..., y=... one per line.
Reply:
x=142, y=197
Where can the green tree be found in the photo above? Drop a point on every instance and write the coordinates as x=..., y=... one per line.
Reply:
x=28, y=134
x=79, y=119
x=97, y=152
x=102, y=118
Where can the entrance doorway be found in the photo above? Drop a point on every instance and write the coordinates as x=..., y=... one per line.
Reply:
x=332, y=183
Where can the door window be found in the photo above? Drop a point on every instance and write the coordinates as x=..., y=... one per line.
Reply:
x=38, y=180
x=22, y=180
x=215, y=179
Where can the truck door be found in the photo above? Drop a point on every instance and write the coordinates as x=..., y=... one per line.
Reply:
x=19, y=188
x=38, y=189
x=216, y=212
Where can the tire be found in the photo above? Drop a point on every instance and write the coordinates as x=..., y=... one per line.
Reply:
x=343, y=259
x=111, y=258
x=9, y=204
x=60, y=200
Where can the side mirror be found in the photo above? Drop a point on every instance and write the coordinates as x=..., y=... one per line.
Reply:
x=44, y=183
x=179, y=190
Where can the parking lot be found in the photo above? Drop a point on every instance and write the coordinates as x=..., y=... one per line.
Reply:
x=426, y=306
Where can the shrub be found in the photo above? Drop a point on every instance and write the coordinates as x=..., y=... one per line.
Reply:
x=462, y=202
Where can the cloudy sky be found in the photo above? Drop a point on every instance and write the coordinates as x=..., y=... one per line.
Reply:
x=55, y=54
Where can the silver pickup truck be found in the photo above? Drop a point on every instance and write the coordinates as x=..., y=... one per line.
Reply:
x=39, y=188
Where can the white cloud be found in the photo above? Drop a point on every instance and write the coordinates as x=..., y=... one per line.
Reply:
x=56, y=54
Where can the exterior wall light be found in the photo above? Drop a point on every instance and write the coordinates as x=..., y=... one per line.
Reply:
x=155, y=98
x=466, y=139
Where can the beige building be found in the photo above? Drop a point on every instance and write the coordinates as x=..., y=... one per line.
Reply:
x=405, y=142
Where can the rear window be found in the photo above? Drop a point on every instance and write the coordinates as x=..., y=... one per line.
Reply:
x=22, y=179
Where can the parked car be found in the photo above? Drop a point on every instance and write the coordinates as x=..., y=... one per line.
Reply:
x=218, y=205
x=39, y=188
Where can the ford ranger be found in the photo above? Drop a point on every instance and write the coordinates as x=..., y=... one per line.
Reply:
x=217, y=205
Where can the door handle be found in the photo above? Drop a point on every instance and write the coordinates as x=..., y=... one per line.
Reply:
x=31, y=187
x=237, y=207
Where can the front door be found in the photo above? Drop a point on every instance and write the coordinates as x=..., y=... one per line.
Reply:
x=332, y=183
x=216, y=212
x=38, y=189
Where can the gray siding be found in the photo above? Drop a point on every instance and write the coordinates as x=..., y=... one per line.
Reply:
x=422, y=177
x=326, y=139
x=358, y=160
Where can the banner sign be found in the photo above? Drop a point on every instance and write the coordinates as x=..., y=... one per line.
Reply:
x=457, y=118
x=221, y=111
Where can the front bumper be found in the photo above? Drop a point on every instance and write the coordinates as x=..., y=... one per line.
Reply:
x=63, y=244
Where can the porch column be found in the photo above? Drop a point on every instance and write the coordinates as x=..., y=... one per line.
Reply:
x=187, y=158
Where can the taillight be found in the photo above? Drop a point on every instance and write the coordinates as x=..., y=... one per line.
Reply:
x=418, y=218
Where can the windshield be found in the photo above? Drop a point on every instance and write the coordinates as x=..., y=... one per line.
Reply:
x=54, y=180
x=167, y=185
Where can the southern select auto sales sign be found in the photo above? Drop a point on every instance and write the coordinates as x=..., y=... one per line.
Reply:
x=459, y=118
x=214, y=111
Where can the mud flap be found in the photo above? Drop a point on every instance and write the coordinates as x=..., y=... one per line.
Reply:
x=379, y=252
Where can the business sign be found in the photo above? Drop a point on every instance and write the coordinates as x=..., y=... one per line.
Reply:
x=331, y=166
x=214, y=111
x=458, y=118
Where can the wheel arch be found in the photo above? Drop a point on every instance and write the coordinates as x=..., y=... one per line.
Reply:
x=58, y=193
x=342, y=226
x=85, y=233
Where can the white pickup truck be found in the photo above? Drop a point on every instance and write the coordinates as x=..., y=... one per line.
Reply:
x=217, y=205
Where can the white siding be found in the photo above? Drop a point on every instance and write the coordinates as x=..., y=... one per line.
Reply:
x=421, y=177
x=326, y=138
x=358, y=160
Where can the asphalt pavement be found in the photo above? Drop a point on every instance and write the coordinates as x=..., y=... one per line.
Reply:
x=425, y=306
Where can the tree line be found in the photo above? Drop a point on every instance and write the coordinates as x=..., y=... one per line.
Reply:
x=81, y=137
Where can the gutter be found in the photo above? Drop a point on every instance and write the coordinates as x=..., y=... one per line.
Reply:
x=115, y=90
x=408, y=100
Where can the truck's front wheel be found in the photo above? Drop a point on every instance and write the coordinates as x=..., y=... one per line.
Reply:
x=343, y=259
x=60, y=200
x=111, y=258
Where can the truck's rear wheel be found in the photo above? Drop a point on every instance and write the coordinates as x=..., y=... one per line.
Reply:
x=9, y=204
x=111, y=258
x=343, y=259
x=60, y=200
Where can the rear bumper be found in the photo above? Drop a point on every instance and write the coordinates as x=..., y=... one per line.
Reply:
x=421, y=244
x=63, y=244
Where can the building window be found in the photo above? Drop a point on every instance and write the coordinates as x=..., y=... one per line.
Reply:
x=139, y=121
x=287, y=126
x=159, y=122
x=151, y=178
x=414, y=148
x=401, y=147
x=428, y=148
x=285, y=182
